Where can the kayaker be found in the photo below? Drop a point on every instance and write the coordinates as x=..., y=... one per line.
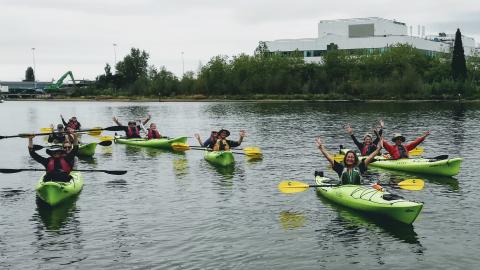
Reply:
x=222, y=144
x=152, y=132
x=398, y=150
x=72, y=122
x=60, y=163
x=351, y=170
x=368, y=146
x=132, y=130
x=57, y=136
x=210, y=142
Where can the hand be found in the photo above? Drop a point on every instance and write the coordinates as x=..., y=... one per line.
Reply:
x=382, y=124
x=115, y=119
x=61, y=116
x=318, y=142
x=243, y=133
x=51, y=126
x=149, y=116
x=426, y=133
x=349, y=129
x=197, y=136
x=380, y=143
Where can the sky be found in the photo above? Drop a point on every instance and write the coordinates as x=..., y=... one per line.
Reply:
x=78, y=35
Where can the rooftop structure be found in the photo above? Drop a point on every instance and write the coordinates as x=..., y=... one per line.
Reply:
x=360, y=35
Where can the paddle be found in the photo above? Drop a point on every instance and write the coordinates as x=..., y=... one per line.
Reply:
x=252, y=152
x=297, y=186
x=37, y=147
x=43, y=170
x=94, y=130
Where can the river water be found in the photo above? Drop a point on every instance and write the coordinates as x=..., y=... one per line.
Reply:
x=176, y=211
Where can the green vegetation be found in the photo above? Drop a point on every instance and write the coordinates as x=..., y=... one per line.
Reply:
x=459, y=66
x=399, y=72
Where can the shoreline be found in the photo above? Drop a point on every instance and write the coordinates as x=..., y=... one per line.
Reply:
x=266, y=100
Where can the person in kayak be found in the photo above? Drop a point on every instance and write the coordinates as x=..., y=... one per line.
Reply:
x=398, y=150
x=208, y=143
x=152, y=132
x=57, y=136
x=368, y=146
x=72, y=122
x=351, y=170
x=60, y=163
x=222, y=144
x=132, y=130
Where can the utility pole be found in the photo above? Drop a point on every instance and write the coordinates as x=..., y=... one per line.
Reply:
x=115, y=54
x=183, y=66
x=34, y=70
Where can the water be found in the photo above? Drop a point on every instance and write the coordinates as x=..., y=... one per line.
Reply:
x=176, y=211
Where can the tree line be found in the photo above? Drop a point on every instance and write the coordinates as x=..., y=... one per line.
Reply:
x=400, y=72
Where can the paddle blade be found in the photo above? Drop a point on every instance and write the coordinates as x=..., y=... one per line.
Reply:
x=96, y=131
x=106, y=138
x=114, y=128
x=46, y=130
x=180, y=146
x=252, y=150
x=105, y=143
x=412, y=184
x=292, y=186
x=416, y=151
x=338, y=158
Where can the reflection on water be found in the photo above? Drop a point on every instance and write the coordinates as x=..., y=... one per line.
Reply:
x=353, y=224
x=180, y=167
x=291, y=220
x=54, y=218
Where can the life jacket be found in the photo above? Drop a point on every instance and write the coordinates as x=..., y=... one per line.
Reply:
x=402, y=151
x=351, y=177
x=133, y=133
x=74, y=125
x=63, y=164
x=222, y=145
x=368, y=149
x=153, y=134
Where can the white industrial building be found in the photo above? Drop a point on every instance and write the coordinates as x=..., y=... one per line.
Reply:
x=366, y=35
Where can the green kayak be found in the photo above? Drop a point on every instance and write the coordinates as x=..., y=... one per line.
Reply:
x=370, y=200
x=87, y=150
x=220, y=158
x=55, y=192
x=433, y=166
x=445, y=167
x=164, y=143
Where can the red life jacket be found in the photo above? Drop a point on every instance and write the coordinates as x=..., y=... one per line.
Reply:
x=131, y=133
x=153, y=134
x=63, y=163
x=73, y=125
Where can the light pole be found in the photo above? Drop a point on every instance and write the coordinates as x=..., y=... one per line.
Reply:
x=34, y=71
x=115, y=54
x=183, y=66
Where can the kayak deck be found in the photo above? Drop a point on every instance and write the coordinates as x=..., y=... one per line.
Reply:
x=370, y=200
x=220, y=158
x=54, y=193
x=163, y=143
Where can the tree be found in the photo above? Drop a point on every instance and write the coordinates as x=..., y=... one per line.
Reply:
x=133, y=66
x=459, y=66
x=262, y=49
x=29, y=75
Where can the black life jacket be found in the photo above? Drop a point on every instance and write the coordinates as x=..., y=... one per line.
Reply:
x=351, y=177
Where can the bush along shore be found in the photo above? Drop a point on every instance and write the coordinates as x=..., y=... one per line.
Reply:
x=400, y=72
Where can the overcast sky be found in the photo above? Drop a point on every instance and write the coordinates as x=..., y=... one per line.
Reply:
x=78, y=35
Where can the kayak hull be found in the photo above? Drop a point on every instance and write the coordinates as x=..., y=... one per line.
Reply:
x=53, y=193
x=446, y=167
x=162, y=143
x=220, y=158
x=87, y=150
x=369, y=200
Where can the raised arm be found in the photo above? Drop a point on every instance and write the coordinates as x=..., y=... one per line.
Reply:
x=197, y=136
x=323, y=150
x=417, y=141
x=378, y=132
x=63, y=120
x=369, y=159
x=349, y=130
x=242, y=135
x=147, y=119
x=116, y=121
